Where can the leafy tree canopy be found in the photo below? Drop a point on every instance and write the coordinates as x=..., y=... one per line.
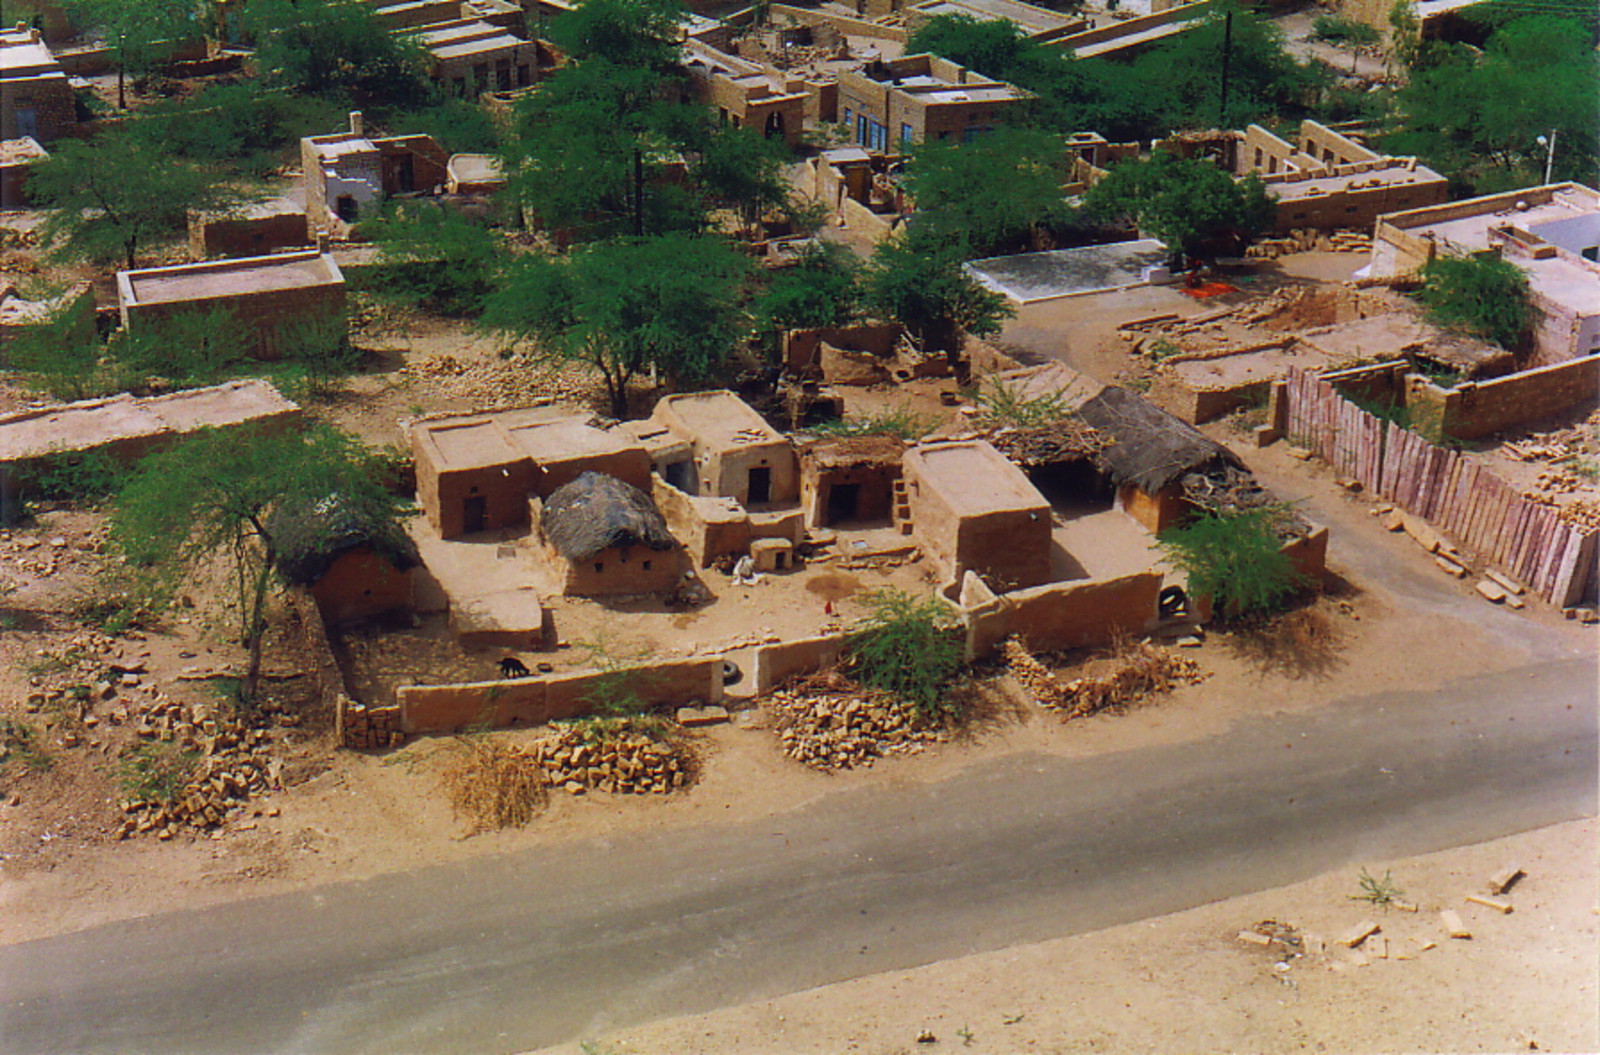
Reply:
x=821, y=290
x=633, y=34
x=1188, y=203
x=141, y=33
x=118, y=192
x=435, y=256
x=918, y=281
x=332, y=47
x=990, y=193
x=1486, y=296
x=215, y=494
x=1476, y=115
x=670, y=302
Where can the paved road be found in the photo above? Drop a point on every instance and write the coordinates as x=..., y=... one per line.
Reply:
x=539, y=947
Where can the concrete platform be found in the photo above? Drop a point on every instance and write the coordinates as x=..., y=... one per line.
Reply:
x=1030, y=277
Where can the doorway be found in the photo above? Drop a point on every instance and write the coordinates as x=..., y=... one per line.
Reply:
x=844, y=502
x=760, y=486
x=474, y=514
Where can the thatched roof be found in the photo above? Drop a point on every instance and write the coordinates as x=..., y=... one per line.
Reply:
x=312, y=535
x=596, y=512
x=1147, y=446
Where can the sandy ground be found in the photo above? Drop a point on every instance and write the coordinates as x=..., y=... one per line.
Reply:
x=1186, y=983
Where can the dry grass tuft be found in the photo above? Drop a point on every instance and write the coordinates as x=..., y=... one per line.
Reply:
x=494, y=785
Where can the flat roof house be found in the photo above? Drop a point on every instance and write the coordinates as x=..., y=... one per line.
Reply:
x=1552, y=233
x=887, y=105
x=746, y=94
x=977, y=512
x=35, y=99
x=735, y=453
x=469, y=56
x=347, y=174
x=275, y=297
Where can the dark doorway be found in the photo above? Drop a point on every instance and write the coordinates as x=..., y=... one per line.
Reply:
x=774, y=129
x=345, y=208
x=680, y=475
x=1074, y=488
x=405, y=174
x=474, y=514
x=760, y=486
x=844, y=502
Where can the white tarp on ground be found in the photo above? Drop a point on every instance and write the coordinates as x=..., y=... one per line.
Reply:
x=1030, y=277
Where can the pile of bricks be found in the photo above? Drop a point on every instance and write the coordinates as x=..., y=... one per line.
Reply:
x=234, y=766
x=367, y=728
x=828, y=722
x=630, y=764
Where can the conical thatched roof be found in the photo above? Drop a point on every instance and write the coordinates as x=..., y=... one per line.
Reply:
x=312, y=535
x=596, y=512
x=1147, y=446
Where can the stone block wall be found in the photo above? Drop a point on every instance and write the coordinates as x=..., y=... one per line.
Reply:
x=1474, y=409
x=775, y=664
x=1062, y=614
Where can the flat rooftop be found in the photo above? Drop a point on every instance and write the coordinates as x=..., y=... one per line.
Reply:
x=470, y=444
x=480, y=46
x=226, y=278
x=1029, y=277
x=1396, y=175
x=96, y=422
x=554, y=441
x=1468, y=230
x=721, y=419
x=26, y=60
x=1033, y=19
x=973, y=478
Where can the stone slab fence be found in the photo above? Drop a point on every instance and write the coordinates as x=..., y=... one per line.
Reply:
x=1527, y=540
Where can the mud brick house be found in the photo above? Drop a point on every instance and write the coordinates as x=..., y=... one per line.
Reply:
x=975, y=511
x=126, y=428
x=603, y=537
x=348, y=175
x=17, y=156
x=353, y=566
x=851, y=480
x=886, y=105
x=733, y=452
x=477, y=473
x=249, y=230
x=1551, y=232
x=35, y=98
x=746, y=94
x=276, y=298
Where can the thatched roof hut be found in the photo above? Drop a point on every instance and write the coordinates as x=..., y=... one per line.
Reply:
x=1148, y=447
x=597, y=512
x=312, y=535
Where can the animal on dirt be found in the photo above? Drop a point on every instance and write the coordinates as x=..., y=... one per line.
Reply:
x=512, y=667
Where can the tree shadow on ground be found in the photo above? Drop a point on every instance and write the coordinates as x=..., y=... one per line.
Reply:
x=1300, y=643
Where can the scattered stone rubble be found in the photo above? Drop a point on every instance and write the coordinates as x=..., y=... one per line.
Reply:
x=234, y=764
x=1307, y=240
x=1141, y=669
x=828, y=722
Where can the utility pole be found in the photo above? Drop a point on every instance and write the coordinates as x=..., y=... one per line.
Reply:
x=1227, y=51
x=638, y=193
x=1549, y=155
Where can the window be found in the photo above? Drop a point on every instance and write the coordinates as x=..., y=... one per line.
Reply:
x=847, y=117
x=646, y=565
x=861, y=130
x=599, y=566
x=1258, y=157
x=905, y=133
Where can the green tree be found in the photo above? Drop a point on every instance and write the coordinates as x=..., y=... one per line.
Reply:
x=113, y=194
x=631, y=34
x=670, y=303
x=1486, y=296
x=331, y=47
x=1188, y=203
x=435, y=257
x=909, y=647
x=920, y=283
x=1236, y=559
x=820, y=290
x=214, y=495
x=140, y=33
x=1476, y=115
x=991, y=194
x=742, y=170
